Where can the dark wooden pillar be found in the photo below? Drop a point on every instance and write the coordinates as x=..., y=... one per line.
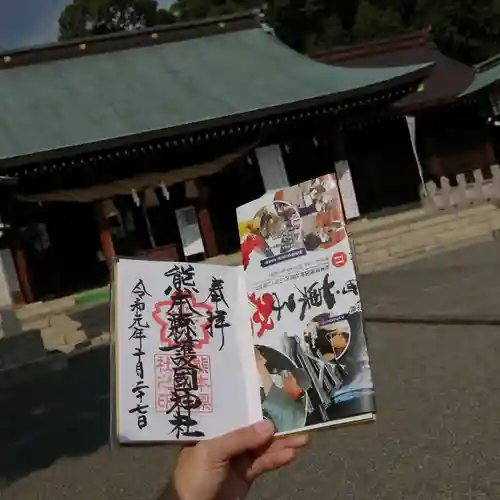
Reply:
x=107, y=245
x=489, y=151
x=205, y=220
x=21, y=267
x=17, y=250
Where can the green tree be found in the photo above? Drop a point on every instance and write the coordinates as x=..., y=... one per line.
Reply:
x=95, y=17
x=297, y=22
x=369, y=22
x=468, y=30
x=405, y=9
x=376, y=22
x=188, y=10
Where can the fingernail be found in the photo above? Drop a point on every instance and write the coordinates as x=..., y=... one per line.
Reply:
x=264, y=428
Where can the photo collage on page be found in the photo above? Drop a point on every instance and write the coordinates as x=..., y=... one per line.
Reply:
x=306, y=315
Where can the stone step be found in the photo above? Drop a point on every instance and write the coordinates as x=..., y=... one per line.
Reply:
x=374, y=230
x=390, y=261
x=438, y=231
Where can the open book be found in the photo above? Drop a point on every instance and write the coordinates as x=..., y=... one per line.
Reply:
x=201, y=349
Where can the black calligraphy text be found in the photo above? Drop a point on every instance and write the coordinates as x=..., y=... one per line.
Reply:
x=217, y=318
x=182, y=333
x=138, y=329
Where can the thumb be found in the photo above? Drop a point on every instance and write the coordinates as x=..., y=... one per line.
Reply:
x=241, y=440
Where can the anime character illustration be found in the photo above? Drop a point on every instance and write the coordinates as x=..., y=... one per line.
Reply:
x=320, y=209
x=327, y=338
x=318, y=352
x=283, y=389
x=336, y=365
x=280, y=226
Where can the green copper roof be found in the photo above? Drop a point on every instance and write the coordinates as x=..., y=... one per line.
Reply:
x=96, y=98
x=485, y=74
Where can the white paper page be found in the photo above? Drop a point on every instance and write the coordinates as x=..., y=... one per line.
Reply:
x=158, y=306
x=305, y=308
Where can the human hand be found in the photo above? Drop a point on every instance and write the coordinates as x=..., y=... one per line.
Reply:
x=224, y=468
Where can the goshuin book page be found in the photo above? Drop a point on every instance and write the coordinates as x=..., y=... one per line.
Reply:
x=183, y=352
x=306, y=314
x=201, y=349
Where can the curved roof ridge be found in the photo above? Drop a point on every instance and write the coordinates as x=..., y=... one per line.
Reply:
x=123, y=40
x=410, y=40
x=487, y=64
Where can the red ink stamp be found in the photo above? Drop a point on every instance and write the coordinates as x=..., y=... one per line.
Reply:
x=164, y=382
x=339, y=259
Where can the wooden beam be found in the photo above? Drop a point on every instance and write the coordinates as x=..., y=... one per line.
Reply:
x=107, y=245
x=21, y=269
x=207, y=231
x=205, y=221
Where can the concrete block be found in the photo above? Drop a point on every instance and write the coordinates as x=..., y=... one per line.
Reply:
x=39, y=323
x=36, y=310
x=372, y=236
x=386, y=242
x=103, y=339
x=83, y=345
x=465, y=232
x=359, y=249
x=407, y=247
x=63, y=322
x=66, y=349
x=474, y=220
x=451, y=226
x=495, y=224
x=74, y=337
x=400, y=218
x=62, y=304
x=477, y=209
x=414, y=239
x=373, y=256
x=52, y=338
x=433, y=221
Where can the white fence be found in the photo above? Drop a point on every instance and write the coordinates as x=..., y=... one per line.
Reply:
x=463, y=194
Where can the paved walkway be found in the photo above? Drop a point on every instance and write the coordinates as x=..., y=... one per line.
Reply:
x=436, y=436
x=456, y=287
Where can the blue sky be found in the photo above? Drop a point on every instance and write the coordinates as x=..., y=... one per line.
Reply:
x=31, y=22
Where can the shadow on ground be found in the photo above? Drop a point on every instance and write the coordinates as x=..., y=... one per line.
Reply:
x=65, y=413
x=94, y=319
